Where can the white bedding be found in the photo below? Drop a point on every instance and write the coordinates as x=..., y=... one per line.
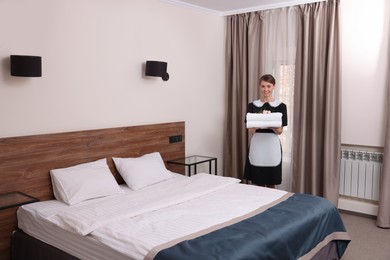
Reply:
x=134, y=223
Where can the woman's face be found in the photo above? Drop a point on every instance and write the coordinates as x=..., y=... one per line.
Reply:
x=266, y=89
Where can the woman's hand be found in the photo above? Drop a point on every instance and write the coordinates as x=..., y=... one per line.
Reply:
x=277, y=130
x=252, y=130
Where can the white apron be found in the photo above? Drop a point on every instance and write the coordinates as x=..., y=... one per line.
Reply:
x=265, y=150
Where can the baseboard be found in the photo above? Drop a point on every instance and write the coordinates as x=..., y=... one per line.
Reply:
x=358, y=206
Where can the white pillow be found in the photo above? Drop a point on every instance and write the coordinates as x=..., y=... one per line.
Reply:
x=84, y=181
x=142, y=171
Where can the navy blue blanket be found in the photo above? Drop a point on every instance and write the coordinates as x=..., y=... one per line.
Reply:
x=289, y=230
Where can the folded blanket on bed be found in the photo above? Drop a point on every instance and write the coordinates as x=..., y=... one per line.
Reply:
x=256, y=120
x=296, y=228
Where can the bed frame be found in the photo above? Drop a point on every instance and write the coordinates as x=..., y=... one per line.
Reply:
x=25, y=162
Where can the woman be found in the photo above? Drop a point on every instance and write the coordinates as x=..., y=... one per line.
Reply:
x=264, y=163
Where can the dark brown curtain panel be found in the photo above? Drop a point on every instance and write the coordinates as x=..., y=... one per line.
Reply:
x=317, y=108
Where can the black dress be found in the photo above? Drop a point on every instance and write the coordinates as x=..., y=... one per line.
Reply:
x=268, y=169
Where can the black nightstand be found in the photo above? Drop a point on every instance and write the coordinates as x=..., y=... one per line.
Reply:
x=194, y=160
x=15, y=199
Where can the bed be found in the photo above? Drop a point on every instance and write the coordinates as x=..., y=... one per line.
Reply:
x=171, y=217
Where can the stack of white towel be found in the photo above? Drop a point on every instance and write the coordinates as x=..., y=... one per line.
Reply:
x=255, y=120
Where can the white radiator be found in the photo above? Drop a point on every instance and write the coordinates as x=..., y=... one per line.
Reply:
x=360, y=173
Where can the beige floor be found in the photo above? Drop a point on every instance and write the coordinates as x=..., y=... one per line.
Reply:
x=368, y=242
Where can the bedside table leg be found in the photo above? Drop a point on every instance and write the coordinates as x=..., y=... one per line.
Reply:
x=215, y=166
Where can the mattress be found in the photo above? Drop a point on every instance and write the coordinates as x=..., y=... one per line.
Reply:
x=131, y=225
x=32, y=220
x=199, y=217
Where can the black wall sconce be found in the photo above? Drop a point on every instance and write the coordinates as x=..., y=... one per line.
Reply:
x=26, y=66
x=157, y=69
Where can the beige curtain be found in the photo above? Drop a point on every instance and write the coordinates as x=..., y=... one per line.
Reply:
x=316, y=116
x=317, y=108
x=383, y=219
x=243, y=65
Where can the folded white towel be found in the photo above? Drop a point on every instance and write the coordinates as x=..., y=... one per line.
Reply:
x=264, y=117
x=255, y=120
x=263, y=124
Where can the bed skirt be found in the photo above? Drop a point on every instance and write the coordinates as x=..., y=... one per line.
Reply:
x=27, y=247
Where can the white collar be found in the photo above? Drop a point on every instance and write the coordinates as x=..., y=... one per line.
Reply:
x=274, y=103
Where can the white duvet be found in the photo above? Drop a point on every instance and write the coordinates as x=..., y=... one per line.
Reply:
x=135, y=223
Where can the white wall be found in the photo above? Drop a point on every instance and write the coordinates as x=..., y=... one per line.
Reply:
x=365, y=61
x=94, y=51
x=93, y=54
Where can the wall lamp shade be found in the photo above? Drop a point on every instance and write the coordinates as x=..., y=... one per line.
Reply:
x=26, y=66
x=157, y=69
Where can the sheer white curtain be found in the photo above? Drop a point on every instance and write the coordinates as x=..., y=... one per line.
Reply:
x=280, y=42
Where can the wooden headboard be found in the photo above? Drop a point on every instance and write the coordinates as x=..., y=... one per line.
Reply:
x=25, y=162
